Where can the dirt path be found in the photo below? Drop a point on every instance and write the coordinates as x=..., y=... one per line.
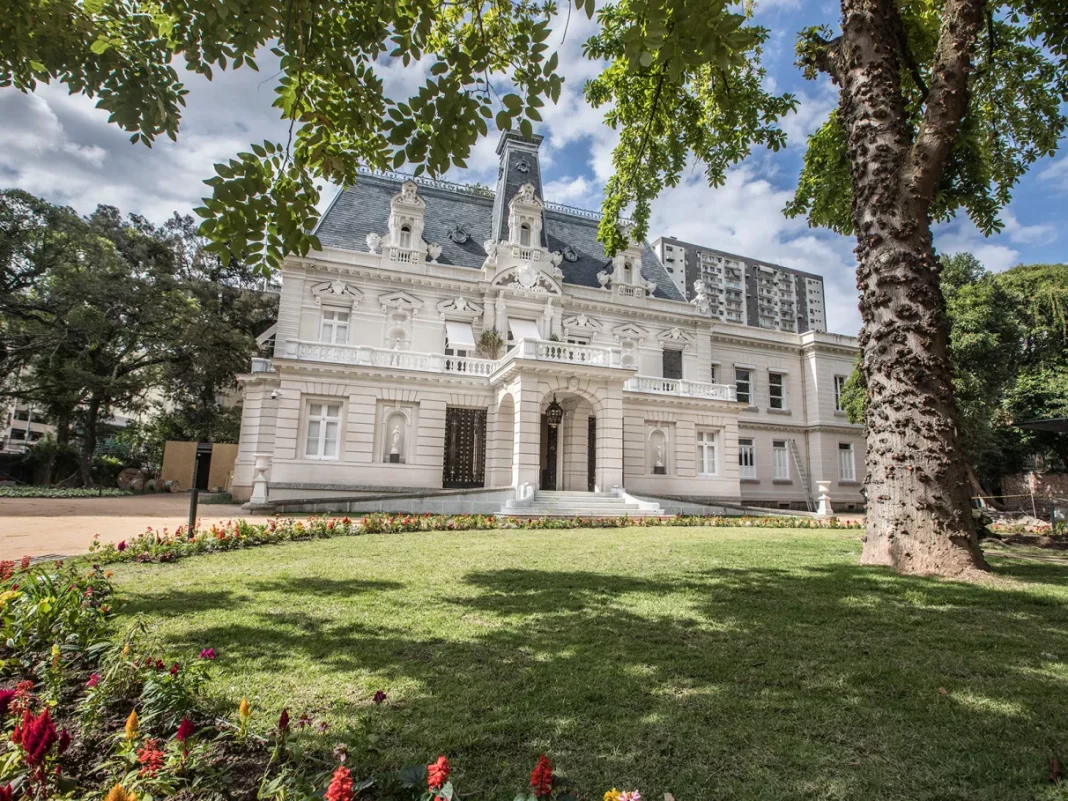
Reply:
x=65, y=526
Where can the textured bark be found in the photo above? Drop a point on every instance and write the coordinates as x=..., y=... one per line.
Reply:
x=919, y=517
x=92, y=415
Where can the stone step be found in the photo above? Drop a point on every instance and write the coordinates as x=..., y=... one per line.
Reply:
x=565, y=503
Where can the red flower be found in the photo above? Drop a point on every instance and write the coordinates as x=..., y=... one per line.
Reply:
x=174, y=669
x=185, y=730
x=437, y=774
x=94, y=679
x=121, y=546
x=7, y=793
x=207, y=653
x=150, y=757
x=340, y=788
x=64, y=741
x=7, y=570
x=379, y=697
x=541, y=778
x=36, y=735
x=25, y=563
x=283, y=721
x=23, y=697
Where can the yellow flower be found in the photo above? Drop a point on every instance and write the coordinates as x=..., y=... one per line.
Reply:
x=126, y=649
x=611, y=795
x=131, y=725
x=117, y=793
x=8, y=596
x=244, y=710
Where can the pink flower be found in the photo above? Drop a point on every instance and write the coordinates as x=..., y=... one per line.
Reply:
x=94, y=679
x=207, y=653
x=121, y=546
x=633, y=795
x=379, y=697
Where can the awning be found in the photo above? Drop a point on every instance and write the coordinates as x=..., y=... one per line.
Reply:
x=460, y=335
x=524, y=329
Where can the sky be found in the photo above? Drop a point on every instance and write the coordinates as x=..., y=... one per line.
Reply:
x=62, y=148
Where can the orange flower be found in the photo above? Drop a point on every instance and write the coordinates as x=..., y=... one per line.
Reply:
x=132, y=723
x=117, y=793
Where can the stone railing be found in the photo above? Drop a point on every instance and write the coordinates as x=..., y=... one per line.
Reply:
x=364, y=355
x=544, y=350
x=403, y=255
x=680, y=388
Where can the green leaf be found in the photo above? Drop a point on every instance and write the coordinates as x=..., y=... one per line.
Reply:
x=100, y=46
x=504, y=122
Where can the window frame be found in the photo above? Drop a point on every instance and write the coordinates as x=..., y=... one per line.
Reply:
x=334, y=324
x=748, y=399
x=780, y=446
x=839, y=388
x=747, y=447
x=404, y=237
x=663, y=363
x=324, y=419
x=705, y=440
x=781, y=387
x=847, y=447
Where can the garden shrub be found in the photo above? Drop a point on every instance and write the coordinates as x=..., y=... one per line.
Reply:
x=61, y=492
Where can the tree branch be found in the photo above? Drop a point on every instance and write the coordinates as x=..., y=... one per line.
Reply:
x=908, y=60
x=817, y=53
x=947, y=100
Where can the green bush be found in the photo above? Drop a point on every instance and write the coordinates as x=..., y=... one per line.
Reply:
x=60, y=492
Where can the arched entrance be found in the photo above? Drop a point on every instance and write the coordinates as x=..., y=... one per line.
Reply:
x=568, y=453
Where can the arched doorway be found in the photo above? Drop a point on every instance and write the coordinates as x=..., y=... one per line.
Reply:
x=567, y=453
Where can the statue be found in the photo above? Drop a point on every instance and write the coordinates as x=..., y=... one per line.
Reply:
x=603, y=278
x=703, y=300
x=659, y=454
x=490, y=246
x=434, y=250
x=374, y=242
x=396, y=440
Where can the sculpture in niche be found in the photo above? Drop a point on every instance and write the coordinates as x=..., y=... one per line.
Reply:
x=658, y=441
x=396, y=426
x=374, y=242
x=395, y=448
x=659, y=454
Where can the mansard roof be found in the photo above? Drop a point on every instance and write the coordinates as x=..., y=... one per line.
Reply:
x=364, y=209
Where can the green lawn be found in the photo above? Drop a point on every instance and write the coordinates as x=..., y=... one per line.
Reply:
x=709, y=663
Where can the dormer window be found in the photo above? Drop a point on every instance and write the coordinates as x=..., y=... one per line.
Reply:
x=524, y=235
x=628, y=272
x=406, y=237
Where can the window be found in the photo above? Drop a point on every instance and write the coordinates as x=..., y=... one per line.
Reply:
x=706, y=453
x=741, y=383
x=712, y=375
x=776, y=391
x=672, y=363
x=405, y=236
x=839, y=386
x=524, y=235
x=847, y=470
x=577, y=341
x=18, y=433
x=324, y=423
x=780, y=460
x=627, y=272
x=335, y=327
x=746, y=458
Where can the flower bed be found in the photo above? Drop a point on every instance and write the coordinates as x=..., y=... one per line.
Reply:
x=60, y=492
x=91, y=718
x=166, y=546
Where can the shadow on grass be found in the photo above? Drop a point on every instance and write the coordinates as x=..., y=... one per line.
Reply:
x=824, y=682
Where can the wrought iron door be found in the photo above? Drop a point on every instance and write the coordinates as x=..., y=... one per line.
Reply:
x=465, y=448
x=591, y=455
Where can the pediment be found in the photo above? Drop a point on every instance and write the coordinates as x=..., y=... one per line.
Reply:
x=336, y=291
x=630, y=331
x=581, y=322
x=400, y=300
x=676, y=335
x=459, y=308
x=527, y=277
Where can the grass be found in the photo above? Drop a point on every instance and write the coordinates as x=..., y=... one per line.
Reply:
x=709, y=663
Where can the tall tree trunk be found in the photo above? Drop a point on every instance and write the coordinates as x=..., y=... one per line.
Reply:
x=919, y=516
x=92, y=414
x=62, y=440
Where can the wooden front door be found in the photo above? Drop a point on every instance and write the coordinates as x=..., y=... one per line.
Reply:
x=465, y=448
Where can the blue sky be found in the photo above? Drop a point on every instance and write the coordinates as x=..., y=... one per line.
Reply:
x=62, y=148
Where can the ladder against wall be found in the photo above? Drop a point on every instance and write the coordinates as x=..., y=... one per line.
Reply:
x=806, y=484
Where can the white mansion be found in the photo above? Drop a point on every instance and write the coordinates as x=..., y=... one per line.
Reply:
x=385, y=381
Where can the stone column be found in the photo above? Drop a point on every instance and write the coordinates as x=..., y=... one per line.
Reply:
x=527, y=442
x=610, y=438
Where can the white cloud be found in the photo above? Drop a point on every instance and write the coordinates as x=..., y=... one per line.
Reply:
x=1057, y=173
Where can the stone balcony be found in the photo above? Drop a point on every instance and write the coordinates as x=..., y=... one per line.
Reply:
x=680, y=388
x=367, y=356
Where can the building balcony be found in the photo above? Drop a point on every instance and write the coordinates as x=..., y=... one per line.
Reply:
x=544, y=350
x=367, y=356
x=680, y=388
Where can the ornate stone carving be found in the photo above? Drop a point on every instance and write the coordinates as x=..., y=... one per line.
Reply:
x=433, y=250
x=458, y=235
x=336, y=291
x=570, y=254
x=604, y=278
x=523, y=166
x=490, y=246
x=374, y=242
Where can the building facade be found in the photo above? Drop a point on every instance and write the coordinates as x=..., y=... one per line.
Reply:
x=23, y=426
x=744, y=290
x=450, y=337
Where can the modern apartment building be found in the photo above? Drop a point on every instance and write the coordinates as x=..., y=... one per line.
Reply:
x=742, y=290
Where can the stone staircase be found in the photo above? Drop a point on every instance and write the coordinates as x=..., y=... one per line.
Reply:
x=554, y=503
